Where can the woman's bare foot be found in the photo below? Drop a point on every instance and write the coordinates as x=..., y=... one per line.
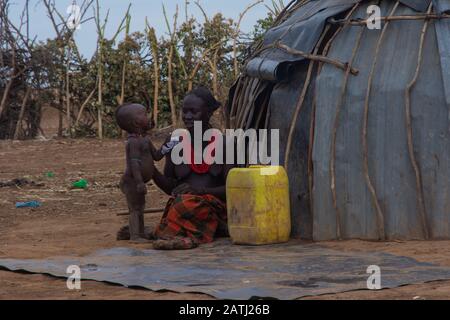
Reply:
x=149, y=233
x=175, y=244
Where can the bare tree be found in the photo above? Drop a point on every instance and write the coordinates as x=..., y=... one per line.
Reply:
x=156, y=71
x=22, y=112
x=172, y=49
x=101, y=28
x=65, y=33
x=237, y=32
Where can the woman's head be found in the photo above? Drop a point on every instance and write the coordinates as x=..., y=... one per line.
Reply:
x=198, y=105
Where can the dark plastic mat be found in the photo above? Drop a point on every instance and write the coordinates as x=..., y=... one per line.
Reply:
x=225, y=271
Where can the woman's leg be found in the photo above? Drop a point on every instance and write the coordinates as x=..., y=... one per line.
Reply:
x=189, y=217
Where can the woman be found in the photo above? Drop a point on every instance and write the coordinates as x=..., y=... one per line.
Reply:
x=196, y=211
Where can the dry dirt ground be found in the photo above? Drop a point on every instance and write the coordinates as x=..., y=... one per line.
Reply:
x=72, y=222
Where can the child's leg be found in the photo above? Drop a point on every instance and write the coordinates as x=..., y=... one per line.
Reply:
x=136, y=205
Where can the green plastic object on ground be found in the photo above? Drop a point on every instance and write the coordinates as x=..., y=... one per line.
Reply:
x=49, y=174
x=80, y=184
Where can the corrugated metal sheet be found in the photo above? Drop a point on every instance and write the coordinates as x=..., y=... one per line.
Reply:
x=389, y=163
x=418, y=5
x=381, y=144
x=282, y=107
x=442, y=6
x=300, y=31
x=443, y=39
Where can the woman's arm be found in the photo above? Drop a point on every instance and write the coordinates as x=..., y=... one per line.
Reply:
x=167, y=181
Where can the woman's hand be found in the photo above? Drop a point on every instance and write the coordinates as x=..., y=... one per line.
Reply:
x=186, y=188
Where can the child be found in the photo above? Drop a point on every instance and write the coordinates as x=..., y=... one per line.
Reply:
x=133, y=119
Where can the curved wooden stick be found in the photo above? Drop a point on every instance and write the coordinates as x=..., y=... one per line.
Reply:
x=300, y=101
x=150, y=210
x=315, y=57
x=332, y=159
x=419, y=186
x=394, y=18
x=313, y=118
x=380, y=214
x=330, y=42
x=334, y=136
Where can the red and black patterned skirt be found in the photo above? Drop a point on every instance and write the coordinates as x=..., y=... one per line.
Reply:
x=198, y=217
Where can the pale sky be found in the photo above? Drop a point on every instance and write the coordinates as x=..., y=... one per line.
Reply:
x=86, y=37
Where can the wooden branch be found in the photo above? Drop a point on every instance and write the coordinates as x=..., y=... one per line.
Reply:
x=50, y=9
x=10, y=82
x=373, y=193
x=358, y=22
x=68, y=112
x=150, y=210
x=80, y=112
x=125, y=62
x=173, y=110
x=154, y=49
x=300, y=101
x=199, y=62
x=237, y=32
x=414, y=163
x=336, y=124
x=213, y=66
x=174, y=40
x=22, y=111
x=100, y=106
x=313, y=57
x=333, y=37
x=197, y=3
x=5, y=96
x=121, y=27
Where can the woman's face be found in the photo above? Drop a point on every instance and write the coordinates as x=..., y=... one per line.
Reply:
x=194, y=109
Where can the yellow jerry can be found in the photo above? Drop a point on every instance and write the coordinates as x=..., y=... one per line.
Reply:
x=258, y=205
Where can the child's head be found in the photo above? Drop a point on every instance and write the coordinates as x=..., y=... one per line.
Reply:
x=132, y=118
x=198, y=105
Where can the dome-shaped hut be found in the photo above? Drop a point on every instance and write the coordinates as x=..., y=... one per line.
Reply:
x=363, y=114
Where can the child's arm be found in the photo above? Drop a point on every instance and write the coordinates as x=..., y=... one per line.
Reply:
x=156, y=154
x=135, y=164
